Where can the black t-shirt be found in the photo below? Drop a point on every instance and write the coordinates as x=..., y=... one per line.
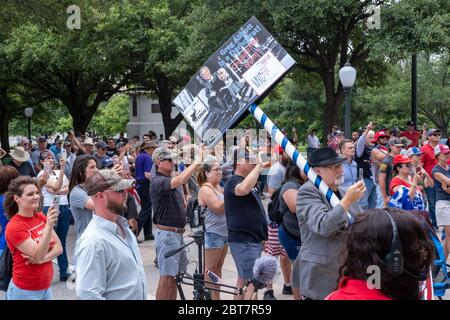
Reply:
x=246, y=217
x=386, y=167
x=290, y=221
x=25, y=169
x=168, y=203
x=110, y=152
x=364, y=162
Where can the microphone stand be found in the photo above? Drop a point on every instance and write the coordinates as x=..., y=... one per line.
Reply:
x=198, y=279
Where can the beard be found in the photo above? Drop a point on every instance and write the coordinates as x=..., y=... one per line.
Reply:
x=117, y=208
x=339, y=180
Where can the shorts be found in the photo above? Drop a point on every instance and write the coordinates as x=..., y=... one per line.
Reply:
x=215, y=240
x=273, y=246
x=244, y=256
x=291, y=245
x=166, y=241
x=443, y=212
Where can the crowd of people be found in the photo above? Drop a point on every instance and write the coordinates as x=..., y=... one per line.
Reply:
x=112, y=189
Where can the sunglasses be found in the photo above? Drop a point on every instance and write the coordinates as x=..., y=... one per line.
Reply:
x=118, y=191
x=436, y=134
x=409, y=165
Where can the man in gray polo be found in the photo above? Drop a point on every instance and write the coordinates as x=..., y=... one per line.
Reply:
x=109, y=264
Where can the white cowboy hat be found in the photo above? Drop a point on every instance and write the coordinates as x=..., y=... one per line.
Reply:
x=20, y=154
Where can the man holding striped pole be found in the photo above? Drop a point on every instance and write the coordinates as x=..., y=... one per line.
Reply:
x=324, y=212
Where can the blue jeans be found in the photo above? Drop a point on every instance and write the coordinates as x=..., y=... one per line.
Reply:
x=244, y=256
x=15, y=293
x=289, y=244
x=61, y=229
x=369, y=200
x=431, y=197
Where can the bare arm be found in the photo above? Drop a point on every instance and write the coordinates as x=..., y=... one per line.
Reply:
x=442, y=178
x=290, y=198
x=207, y=197
x=39, y=251
x=382, y=183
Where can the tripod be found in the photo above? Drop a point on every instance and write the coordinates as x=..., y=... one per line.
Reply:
x=201, y=292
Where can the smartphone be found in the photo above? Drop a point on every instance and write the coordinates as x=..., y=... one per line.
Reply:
x=360, y=174
x=64, y=154
x=48, y=169
x=56, y=201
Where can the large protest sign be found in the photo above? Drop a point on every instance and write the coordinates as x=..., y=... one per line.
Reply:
x=241, y=72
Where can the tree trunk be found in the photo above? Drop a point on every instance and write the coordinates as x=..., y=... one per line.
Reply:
x=332, y=104
x=81, y=117
x=165, y=103
x=4, y=127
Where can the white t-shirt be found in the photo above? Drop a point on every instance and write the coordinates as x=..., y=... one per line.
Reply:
x=48, y=196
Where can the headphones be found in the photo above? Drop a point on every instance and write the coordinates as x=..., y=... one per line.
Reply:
x=394, y=258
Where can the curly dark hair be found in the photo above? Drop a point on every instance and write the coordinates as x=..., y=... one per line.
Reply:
x=369, y=241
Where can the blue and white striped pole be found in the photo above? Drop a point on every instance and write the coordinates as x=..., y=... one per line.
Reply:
x=295, y=155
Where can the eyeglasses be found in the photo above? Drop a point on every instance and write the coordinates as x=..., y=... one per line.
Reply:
x=217, y=169
x=436, y=134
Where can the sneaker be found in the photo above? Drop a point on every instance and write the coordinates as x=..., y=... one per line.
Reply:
x=268, y=295
x=65, y=277
x=150, y=237
x=287, y=290
x=156, y=262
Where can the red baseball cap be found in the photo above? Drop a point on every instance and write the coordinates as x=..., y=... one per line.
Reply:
x=401, y=158
x=441, y=148
x=378, y=135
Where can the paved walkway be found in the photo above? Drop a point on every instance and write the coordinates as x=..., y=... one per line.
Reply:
x=66, y=291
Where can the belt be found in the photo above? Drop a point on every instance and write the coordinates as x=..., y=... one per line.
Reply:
x=172, y=229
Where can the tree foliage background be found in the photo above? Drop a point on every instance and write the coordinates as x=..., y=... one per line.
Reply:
x=74, y=78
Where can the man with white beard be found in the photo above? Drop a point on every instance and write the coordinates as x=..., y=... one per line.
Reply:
x=323, y=228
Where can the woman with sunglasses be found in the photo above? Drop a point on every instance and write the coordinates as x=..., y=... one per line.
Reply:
x=210, y=196
x=403, y=188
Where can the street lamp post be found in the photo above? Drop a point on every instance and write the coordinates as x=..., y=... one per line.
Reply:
x=29, y=114
x=347, y=75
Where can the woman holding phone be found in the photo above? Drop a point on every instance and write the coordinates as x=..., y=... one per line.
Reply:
x=55, y=193
x=32, y=241
x=404, y=190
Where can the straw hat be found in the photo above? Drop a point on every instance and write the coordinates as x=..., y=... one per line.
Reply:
x=19, y=154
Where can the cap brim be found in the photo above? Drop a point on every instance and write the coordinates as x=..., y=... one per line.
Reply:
x=21, y=159
x=123, y=184
x=329, y=162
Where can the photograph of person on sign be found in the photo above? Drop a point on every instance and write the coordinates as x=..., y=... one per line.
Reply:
x=241, y=72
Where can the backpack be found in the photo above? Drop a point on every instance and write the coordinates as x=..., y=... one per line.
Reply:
x=6, y=266
x=273, y=208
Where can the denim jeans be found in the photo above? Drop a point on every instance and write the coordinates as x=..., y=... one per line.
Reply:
x=145, y=216
x=431, y=196
x=369, y=200
x=15, y=293
x=61, y=229
x=244, y=256
x=291, y=245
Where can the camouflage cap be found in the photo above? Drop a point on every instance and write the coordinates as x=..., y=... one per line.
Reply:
x=163, y=153
x=106, y=179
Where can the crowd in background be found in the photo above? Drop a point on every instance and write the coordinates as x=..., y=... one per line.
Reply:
x=373, y=170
